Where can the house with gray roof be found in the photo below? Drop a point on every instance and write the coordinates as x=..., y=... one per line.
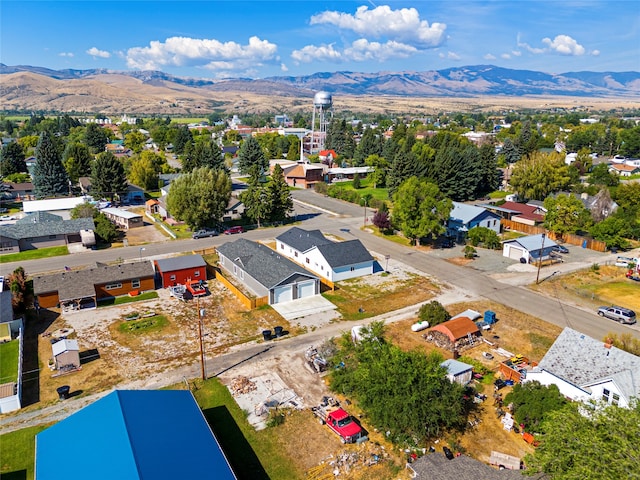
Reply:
x=265, y=272
x=435, y=466
x=180, y=270
x=585, y=369
x=41, y=229
x=330, y=260
x=531, y=248
x=79, y=289
x=464, y=217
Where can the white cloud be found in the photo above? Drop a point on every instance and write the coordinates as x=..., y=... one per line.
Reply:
x=595, y=53
x=506, y=56
x=403, y=25
x=284, y=68
x=311, y=53
x=516, y=53
x=95, y=52
x=488, y=56
x=453, y=56
x=207, y=53
x=359, y=51
x=65, y=54
x=564, y=45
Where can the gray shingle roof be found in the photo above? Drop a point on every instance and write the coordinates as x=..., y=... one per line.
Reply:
x=582, y=361
x=31, y=229
x=81, y=283
x=303, y=240
x=37, y=217
x=178, y=263
x=340, y=254
x=260, y=262
x=435, y=466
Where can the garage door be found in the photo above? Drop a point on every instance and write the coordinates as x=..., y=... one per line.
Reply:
x=306, y=289
x=516, y=253
x=283, y=294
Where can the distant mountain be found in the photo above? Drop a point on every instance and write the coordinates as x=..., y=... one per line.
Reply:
x=25, y=87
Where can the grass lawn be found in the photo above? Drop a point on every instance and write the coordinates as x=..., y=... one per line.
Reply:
x=498, y=194
x=127, y=299
x=9, y=361
x=144, y=325
x=17, y=455
x=34, y=254
x=366, y=187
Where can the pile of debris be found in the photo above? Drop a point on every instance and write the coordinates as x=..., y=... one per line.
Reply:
x=345, y=463
x=242, y=385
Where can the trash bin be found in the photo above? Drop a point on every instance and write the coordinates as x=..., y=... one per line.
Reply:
x=614, y=249
x=266, y=334
x=278, y=331
x=63, y=392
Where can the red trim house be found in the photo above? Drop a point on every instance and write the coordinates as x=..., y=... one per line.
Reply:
x=180, y=270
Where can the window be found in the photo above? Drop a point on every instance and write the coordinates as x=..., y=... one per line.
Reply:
x=112, y=286
x=605, y=395
x=494, y=223
x=135, y=283
x=307, y=260
x=242, y=274
x=282, y=246
x=616, y=399
x=52, y=237
x=321, y=267
x=353, y=269
x=196, y=273
x=172, y=277
x=235, y=270
x=221, y=260
x=296, y=254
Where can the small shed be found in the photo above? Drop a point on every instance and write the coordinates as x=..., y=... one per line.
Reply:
x=66, y=354
x=458, y=372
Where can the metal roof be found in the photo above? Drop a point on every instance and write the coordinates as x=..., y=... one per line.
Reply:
x=466, y=213
x=65, y=203
x=65, y=345
x=180, y=263
x=454, y=367
x=533, y=243
x=133, y=434
x=119, y=212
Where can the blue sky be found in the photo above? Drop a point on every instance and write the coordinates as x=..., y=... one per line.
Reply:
x=257, y=39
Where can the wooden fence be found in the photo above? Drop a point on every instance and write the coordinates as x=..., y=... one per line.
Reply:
x=248, y=302
x=569, y=238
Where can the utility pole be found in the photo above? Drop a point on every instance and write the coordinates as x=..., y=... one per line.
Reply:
x=540, y=260
x=201, y=312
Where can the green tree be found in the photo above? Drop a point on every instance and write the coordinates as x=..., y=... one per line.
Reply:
x=485, y=236
x=77, y=161
x=489, y=180
x=255, y=198
x=12, y=159
x=95, y=137
x=18, y=286
x=379, y=174
x=403, y=393
x=105, y=230
x=143, y=172
x=108, y=177
x=200, y=197
x=369, y=145
x=510, y=151
x=402, y=168
x=612, y=231
x=49, y=177
x=356, y=181
x=538, y=175
x=251, y=156
x=600, y=175
x=566, y=214
x=135, y=140
x=630, y=142
x=533, y=401
x=208, y=154
x=420, y=209
x=279, y=196
x=84, y=210
x=434, y=313
x=182, y=138
x=578, y=444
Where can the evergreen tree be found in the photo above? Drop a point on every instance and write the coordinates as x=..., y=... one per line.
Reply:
x=279, y=196
x=457, y=172
x=510, y=151
x=182, y=139
x=188, y=158
x=208, y=154
x=49, y=177
x=369, y=145
x=402, y=168
x=12, y=159
x=255, y=198
x=77, y=161
x=252, y=156
x=108, y=177
x=389, y=149
x=95, y=137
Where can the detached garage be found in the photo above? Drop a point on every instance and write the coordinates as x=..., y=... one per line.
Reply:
x=266, y=273
x=531, y=248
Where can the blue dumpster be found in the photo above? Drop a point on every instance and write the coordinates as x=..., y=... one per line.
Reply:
x=489, y=317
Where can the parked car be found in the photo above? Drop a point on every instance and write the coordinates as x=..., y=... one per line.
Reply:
x=232, y=230
x=207, y=232
x=560, y=249
x=7, y=217
x=619, y=314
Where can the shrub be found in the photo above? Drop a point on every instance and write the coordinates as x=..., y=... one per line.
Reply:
x=434, y=313
x=321, y=188
x=382, y=221
x=469, y=252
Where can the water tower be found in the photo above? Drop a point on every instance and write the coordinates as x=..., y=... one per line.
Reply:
x=322, y=115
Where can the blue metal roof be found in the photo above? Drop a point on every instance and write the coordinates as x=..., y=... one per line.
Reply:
x=454, y=367
x=133, y=434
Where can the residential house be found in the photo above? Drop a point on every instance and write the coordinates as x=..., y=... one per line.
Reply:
x=234, y=210
x=180, y=270
x=529, y=249
x=41, y=230
x=333, y=261
x=152, y=206
x=133, y=434
x=11, y=352
x=458, y=372
x=265, y=272
x=66, y=354
x=464, y=217
x=133, y=196
x=19, y=191
x=304, y=175
x=525, y=213
x=586, y=369
x=79, y=289
x=623, y=169
x=340, y=174
x=435, y=466
x=124, y=219
x=327, y=156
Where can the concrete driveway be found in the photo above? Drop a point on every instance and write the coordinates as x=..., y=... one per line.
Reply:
x=310, y=311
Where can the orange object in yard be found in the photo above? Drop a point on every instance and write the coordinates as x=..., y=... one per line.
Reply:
x=134, y=293
x=529, y=438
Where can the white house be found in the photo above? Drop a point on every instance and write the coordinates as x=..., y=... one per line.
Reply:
x=531, y=248
x=464, y=217
x=623, y=169
x=584, y=369
x=334, y=261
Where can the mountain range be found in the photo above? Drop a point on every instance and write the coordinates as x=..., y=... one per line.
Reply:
x=25, y=87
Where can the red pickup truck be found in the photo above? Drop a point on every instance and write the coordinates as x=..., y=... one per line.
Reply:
x=338, y=420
